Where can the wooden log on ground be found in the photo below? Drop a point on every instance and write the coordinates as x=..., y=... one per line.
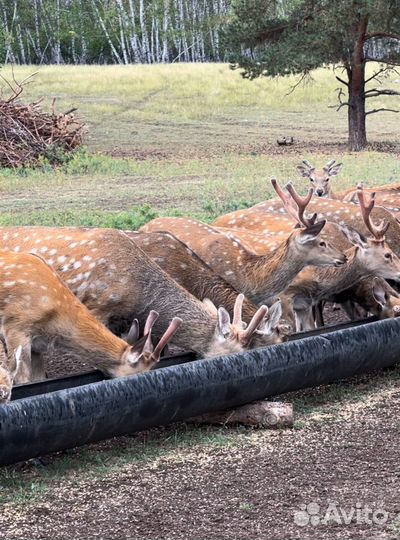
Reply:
x=264, y=414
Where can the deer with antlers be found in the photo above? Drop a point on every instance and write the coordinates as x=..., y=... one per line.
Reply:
x=194, y=275
x=386, y=195
x=257, y=218
x=38, y=311
x=320, y=178
x=117, y=281
x=367, y=256
x=260, y=278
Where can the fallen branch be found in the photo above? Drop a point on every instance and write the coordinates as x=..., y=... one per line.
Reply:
x=266, y=414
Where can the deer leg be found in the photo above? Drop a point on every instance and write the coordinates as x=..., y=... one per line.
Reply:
x=318, y=313
x=21, y=367
x=38, y=367
x=305, y=319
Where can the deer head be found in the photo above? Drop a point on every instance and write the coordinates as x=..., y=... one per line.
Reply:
x=374, y=253
x=387, y=300
x=319, y=178
x=142, y=355
x=233, y=337
x=305, y=240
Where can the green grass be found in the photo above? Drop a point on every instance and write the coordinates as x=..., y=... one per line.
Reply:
x=185, y=139
x=32, y=482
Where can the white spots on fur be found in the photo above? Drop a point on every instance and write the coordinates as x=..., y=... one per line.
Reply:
x=87, y=258
x=43, y=287
x=9, y=283
x=53, y=252
x=77, y=265
x=61, y=259
x=43, y=249
x=45, y=299
x=73, y=245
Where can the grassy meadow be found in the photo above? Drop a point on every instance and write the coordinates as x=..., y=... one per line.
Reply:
x=185, y=139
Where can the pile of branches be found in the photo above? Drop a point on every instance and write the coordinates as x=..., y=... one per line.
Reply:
x=28, y=135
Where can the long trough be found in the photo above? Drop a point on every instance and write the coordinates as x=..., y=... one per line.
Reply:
x=61, y=418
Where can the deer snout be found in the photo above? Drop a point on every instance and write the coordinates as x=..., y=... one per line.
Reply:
x=319, y=192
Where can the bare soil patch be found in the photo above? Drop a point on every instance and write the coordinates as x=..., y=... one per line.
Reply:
x=347, y=455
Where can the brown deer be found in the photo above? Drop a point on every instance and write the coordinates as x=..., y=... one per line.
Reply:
x=194, y=275
x=117, y=281
x=260, y=278
x=38, y=311
x=386, y=195
x=320, y=178
x=367, y=256
x=370, y=295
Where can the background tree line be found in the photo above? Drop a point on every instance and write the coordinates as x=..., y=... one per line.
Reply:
x=111, y=31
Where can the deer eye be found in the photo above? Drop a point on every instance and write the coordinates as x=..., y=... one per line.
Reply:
x=388, y=255
x=322, y=243
x=311, y=180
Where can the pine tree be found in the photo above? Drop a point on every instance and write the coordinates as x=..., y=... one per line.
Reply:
x=271, y=38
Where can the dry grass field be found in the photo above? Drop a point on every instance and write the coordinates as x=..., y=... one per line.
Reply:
x=198, y=140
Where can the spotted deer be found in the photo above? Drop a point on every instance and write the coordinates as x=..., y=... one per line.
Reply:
x=38, y=311
x=386, y=195
x=194, y=275
x=118, y=282
x=260, y=278
x=320, y=178
x=255, y=219
x=368, y=256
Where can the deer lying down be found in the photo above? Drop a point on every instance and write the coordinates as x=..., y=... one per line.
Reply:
x=38, y=311
x=117, y=282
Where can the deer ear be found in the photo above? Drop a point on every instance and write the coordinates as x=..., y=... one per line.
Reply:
x=310, y=233
x=379, y=295
x=354, y=237
x=224, y=322
x=304, y=171
x=335, y=169
x=210, y=307
x=272, y=319
x=133, y=334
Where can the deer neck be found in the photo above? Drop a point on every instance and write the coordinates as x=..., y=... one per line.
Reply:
x=333, y=280
x=264, y=277
x=85, y=338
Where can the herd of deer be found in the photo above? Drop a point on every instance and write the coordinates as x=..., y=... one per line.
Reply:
x=269, y=268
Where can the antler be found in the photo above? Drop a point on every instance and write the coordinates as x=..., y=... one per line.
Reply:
x=302, y=203
x=308, y=164
x=329, y=165
x=378, y=231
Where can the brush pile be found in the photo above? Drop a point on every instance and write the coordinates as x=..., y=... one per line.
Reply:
x=28, y=135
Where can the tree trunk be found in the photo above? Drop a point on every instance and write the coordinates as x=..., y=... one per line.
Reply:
x=356, y=88
x=356, y=109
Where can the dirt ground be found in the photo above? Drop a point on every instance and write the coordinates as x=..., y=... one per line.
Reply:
x=295, y=484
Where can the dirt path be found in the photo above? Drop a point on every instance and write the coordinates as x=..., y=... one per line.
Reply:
x=344, y=453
